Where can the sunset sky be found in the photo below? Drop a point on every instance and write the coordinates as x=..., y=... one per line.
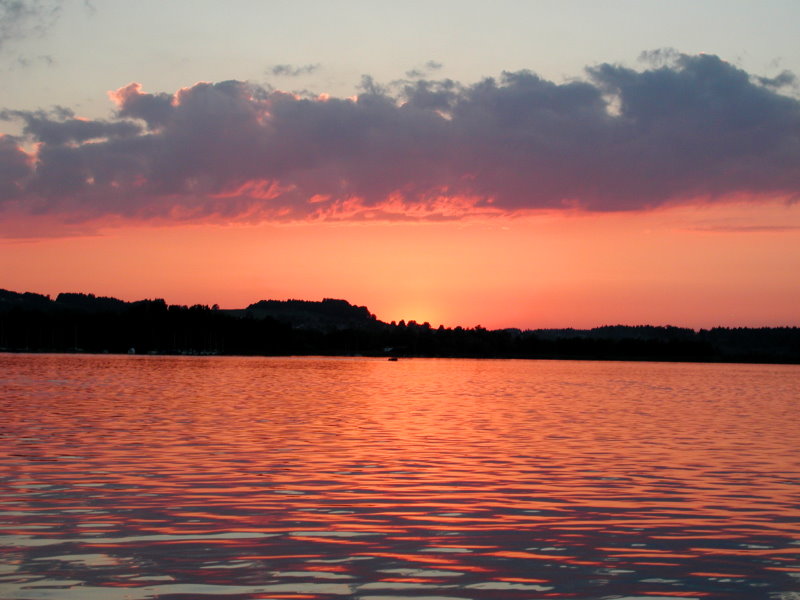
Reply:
x=508, y=164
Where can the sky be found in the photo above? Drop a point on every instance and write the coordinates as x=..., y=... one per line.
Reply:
x=515, y=164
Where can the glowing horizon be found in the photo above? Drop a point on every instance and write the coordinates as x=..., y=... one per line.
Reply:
x=685, y=266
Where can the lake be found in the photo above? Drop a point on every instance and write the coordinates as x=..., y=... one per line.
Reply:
x=134, y=477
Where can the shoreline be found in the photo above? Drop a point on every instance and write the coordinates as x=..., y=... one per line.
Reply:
x=400, y=358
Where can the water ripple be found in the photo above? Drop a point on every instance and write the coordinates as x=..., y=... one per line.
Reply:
x=143, y=477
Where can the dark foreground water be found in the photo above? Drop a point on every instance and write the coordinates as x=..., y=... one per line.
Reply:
x=127, y=478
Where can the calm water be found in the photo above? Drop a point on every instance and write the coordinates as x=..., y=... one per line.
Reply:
x=161, y=477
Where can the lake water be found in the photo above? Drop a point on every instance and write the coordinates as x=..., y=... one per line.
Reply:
x=131, y=477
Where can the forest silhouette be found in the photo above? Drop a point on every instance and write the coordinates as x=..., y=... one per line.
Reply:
x=78, y=322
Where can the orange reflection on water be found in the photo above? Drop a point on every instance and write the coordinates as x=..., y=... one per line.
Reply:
x=329, y=478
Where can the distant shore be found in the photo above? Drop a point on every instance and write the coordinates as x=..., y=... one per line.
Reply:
x=84, y=323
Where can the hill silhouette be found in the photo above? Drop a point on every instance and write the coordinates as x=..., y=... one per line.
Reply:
x=327, y=314
x=78, y=322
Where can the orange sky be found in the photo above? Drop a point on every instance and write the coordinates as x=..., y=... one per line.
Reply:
x=698, y=267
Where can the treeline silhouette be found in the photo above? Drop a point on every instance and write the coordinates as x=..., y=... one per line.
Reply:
x=77, y=322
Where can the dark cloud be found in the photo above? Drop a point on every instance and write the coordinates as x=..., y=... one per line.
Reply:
x=65, y=128
x=686, y=128
x=15, y=168
x=659, y=57
x=783, y=79
x=292, y=71
x=153, y=109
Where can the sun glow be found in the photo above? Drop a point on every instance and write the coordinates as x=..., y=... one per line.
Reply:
x=693, y=266
x=420, y=313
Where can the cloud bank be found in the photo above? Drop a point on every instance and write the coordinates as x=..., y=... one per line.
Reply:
x=684, y=129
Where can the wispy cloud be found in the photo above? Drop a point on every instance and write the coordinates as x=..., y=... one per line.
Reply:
x=428, y=68
x=293, y=71
x=682, y=129
x=23, y=18
x=27, y=62
x=747, y=228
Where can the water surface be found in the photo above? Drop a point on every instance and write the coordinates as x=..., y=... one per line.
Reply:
x=128, y=477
